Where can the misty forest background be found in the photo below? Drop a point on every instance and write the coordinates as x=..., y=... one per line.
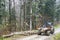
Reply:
x=24, y=15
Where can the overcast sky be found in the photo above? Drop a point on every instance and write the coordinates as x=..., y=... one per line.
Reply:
x=57, y=0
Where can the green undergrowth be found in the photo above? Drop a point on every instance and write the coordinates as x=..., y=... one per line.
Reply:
x=13, y=37
x=57, y=26
x=1, y=38
x=56, y=37
x=7, y=38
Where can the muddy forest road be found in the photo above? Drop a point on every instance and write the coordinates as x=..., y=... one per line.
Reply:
x=39, y=37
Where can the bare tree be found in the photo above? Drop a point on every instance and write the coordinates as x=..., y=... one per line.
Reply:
x=10, y=12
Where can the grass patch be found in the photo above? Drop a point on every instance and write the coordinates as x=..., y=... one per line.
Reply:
x=57, y=26
x=7, y=38
x=13, y=37
x=1, y=38
x=56, y=37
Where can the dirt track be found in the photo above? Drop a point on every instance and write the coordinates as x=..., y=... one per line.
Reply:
x=39, y=37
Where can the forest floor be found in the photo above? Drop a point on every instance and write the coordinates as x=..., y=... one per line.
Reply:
x=31, y=36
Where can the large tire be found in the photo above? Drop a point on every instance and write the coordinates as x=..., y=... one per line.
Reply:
x=39, y=33
x=52, y=32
